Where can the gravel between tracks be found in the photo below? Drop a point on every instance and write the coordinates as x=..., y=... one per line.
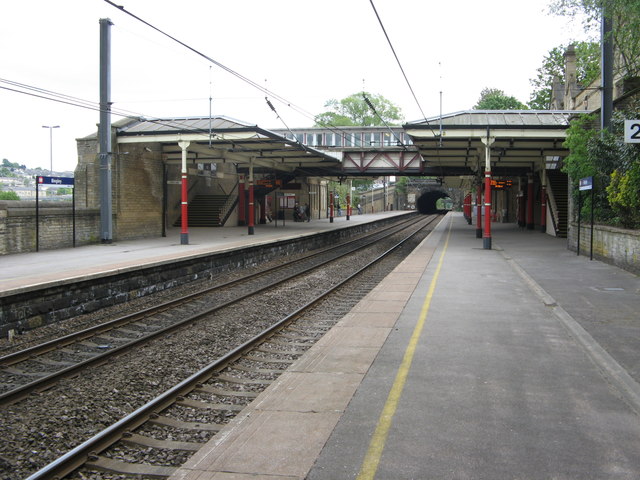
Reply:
x=39, y=429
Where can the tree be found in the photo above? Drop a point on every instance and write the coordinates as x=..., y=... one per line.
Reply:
x=354, y=111
x=625, y=16
x=495, y=99
x=588, y=69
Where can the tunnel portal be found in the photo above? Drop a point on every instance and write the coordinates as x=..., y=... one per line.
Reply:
x=427, y=201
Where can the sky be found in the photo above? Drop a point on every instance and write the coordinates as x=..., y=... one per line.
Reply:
x=303, y=51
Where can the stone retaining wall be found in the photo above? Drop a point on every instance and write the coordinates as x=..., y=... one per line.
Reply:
x=18, y=226
x=616, y=246
x=31, y=308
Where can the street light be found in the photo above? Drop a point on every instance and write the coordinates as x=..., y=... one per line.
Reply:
x=51, y=143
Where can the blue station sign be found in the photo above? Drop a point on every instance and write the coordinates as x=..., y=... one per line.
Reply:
x=42, y=180
x=586, y=183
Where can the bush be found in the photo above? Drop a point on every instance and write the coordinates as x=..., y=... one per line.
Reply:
x=9, y=195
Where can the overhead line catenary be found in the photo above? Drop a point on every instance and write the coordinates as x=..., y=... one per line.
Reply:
x=399, y=64
x=256, y=85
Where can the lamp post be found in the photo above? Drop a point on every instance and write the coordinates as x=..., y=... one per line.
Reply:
x=51, y=144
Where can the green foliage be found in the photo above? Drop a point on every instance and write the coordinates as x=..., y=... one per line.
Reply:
x=9, y=195
x=625, y=16
x=613, y=164
x=624, y=195
x=354, y=111
x=588, y=69
x=495, y=99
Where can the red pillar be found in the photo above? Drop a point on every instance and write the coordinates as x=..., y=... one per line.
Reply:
x=543, y=209
x=479, y=212
x=184, y=233
x=348, y=206
x=529, y=201
x=331, y=200
x=241, y=211
x=486, y=238
x=251, y=209
x=466, y=208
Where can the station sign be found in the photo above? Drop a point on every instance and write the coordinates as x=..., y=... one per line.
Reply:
x=42, y=180
x=632, y=131
x=586, y=183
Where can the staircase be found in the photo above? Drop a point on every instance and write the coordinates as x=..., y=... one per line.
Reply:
x=558, y=181
x=205, y=211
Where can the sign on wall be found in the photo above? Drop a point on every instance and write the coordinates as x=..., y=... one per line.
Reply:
x=632, y=131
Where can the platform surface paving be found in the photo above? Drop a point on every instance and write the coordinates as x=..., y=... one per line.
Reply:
x=519, y=362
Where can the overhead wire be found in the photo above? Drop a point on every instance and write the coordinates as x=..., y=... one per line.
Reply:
x=238, y=75
x=393, y=50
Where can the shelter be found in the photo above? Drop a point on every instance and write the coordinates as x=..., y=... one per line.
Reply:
x=226, y=162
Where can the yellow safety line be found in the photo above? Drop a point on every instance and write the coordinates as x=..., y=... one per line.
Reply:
x=370, y=463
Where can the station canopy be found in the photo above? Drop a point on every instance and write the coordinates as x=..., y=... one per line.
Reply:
x=221, y=139
x=525, y=140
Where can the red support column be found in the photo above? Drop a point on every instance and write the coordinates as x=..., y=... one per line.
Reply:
x=466, y=208
x=251, y=209
x=348, y=206
x=543, y=209
x=242, y=218
x=184, y=232
x=486, y=238
x=331, y=202
x=479, y=212
x=530, y=201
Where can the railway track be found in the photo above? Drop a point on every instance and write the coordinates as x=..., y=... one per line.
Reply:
x=41, y=366
x=161, y=434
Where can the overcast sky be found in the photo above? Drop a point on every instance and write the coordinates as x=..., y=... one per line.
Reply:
x=303, y=50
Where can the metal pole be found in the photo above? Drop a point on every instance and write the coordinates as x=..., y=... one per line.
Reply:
x=606, y=42
x=37, y=218
x=579, y=218
x=486, y=238
x=251, y=210
x=530, y=225
x=591, y=249
x=106, y=211
x=184, y=233
x=51, y=145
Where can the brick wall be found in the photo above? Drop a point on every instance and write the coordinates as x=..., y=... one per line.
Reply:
x=18, y=226
x=616, y=246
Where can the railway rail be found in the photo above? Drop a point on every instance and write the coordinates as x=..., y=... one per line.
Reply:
x=41, y=366
x=192, y=411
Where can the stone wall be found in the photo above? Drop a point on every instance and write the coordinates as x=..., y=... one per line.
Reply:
x=616, y=246
x=55, y=229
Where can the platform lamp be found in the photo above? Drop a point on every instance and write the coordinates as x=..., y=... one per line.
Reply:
x=51, y=144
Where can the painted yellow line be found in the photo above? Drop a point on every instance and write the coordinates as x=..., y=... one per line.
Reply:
x=371, y=460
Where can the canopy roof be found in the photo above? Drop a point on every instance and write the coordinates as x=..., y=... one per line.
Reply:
x=223, y=139
x=524, y=139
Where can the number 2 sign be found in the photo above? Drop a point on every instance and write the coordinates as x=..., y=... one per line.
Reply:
x=632, y=131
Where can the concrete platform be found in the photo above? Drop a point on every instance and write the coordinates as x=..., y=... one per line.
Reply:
x=33, y=270
x=519, y=362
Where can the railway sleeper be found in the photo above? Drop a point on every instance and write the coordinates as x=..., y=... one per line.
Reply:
x=19, y=371
x=118, y=466
x=243, y=381
x=265, y=371
x=275, y=341
x=274, y=351
x=253, y=358
x=296, y=336
x=174, y=423
x=55, y=363
x=224, y=393
x=187, y=402
x=143, y=441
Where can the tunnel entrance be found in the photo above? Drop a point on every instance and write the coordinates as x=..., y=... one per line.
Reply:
x=427, y=202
